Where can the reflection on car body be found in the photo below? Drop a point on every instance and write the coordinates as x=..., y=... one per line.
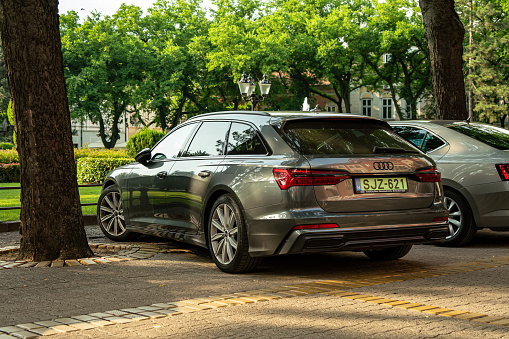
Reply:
x=253, y=184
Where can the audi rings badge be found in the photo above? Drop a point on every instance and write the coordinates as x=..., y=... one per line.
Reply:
x=383, y=166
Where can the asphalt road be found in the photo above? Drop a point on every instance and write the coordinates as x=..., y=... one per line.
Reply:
x=40, y=294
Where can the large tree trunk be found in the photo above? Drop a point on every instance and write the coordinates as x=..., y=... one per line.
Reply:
x=444, y=34
x=51, y=219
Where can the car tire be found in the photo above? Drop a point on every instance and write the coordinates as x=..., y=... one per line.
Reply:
x=390, y=253
x=227, y=237
x=462, y=228
x=110, y=215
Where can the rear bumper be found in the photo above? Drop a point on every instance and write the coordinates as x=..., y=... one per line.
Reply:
x=361, y=239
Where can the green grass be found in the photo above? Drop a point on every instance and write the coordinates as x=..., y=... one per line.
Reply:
x=10, y=198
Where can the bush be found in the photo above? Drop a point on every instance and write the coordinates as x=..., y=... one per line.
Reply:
x=146, y=138
x=9, y=156
x=10, y=172
x=99, y=153
x=6, y=145
x=94, y=170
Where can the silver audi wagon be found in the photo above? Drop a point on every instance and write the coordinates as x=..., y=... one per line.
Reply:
x=252, y=184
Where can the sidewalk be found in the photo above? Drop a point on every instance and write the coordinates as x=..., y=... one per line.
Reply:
x=436, y=292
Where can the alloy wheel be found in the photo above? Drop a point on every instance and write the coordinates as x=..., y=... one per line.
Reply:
x=224, y=234
x=112, y=214
x=455, y=217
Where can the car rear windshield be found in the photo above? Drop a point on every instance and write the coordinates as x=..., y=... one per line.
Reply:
x=344, y=137
x=494, y=136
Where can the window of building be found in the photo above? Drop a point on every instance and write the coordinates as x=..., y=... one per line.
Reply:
x=331, y=108
x=366, y=107
x=386, y=108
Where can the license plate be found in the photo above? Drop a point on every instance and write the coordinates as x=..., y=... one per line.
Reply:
x=380, y=185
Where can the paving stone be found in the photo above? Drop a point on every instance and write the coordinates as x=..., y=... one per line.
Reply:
x=120, y=320
x=452, y=313
x=25, y=335
x=67, y=321
x=170, y=311
x=47, y=323
x=213, y=304
x=44, y=331
x=28, y=326
x=408, y=306
x=164, y=305
x=437, y=310
x=72, y=263
x=100, y=315
x=43, y=264
x=469, y=316
x=29, y=264
x=9, y=329
x=358, y=296
x=6, y=336
x=489, y=319
x=150, y=308
x=501, y=322
x=423, y=308
x=57, y=263
x=64, y=328
x=152, y=315
x=86, y=318
x=102, y=323
x=83, y=326
x=116, y=312
x=136, y=317
x=87, y=262
x=394, y=303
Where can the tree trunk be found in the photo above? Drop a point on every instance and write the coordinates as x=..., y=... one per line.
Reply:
x=444, y=34
x=51, y=219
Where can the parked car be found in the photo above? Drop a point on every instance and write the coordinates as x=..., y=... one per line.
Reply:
x=474, y=161
x=254, y=184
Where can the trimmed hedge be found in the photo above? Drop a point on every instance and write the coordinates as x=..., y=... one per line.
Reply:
x=99, y=153
x=10, y=172
x=9, y=156
x=6, y=145
x=94, y=170
x=146, y=138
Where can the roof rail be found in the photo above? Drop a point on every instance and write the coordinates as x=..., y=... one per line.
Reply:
x=232, y=112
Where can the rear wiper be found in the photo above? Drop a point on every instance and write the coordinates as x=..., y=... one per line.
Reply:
x=377, y=149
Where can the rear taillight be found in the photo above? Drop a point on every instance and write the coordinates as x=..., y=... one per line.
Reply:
x=428, y=175
x=315, y=226
x=288, y=177
x=503, y=171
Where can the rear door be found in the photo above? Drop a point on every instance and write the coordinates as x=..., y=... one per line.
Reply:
x=384, y=171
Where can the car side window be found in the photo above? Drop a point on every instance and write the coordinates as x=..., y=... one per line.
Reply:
x=412, y=134
x=209, y=140
x=243, y=140
x=171, y=145
x=431, y=143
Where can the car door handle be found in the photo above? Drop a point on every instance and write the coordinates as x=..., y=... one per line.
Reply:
x=162, y=174
x=204, y=174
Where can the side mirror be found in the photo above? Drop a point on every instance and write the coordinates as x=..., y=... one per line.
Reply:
x=144, y=156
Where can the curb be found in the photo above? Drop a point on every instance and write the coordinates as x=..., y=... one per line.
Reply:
x=125, y=253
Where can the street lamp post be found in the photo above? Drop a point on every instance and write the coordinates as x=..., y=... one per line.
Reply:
x=247, y=89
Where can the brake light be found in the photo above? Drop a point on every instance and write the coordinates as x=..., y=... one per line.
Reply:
x=429, y=175
x=288, y=177
x=311, y=227
x=503, y=171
